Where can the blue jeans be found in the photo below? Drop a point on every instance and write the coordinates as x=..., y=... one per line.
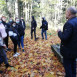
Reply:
x=21, y=41
x=70, y=67
x=44, y=32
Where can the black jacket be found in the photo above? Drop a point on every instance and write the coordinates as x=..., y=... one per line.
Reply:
x=23, y=24
x=69, y=39
x=44, y=25
x=33, y=24
x=14, y=29
x=20, y=29
x=10, y=23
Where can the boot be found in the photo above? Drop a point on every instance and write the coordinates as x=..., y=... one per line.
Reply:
x=7, y=65
x=23, y=50
x=1, y=72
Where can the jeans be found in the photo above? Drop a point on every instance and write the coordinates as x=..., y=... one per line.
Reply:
x=21, y=41
x=70, y=67
x=3, y=55
x=44, y=32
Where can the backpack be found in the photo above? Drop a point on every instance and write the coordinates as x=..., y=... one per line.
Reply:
x=46, y=25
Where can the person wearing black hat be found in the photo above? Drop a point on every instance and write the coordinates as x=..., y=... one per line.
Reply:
x=33, y=27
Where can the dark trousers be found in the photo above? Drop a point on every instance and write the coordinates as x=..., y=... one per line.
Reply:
x=34, y=34
x=15, y=47
x=3, y=55
x=6, y=41
x=70, y=67
x=15, y=42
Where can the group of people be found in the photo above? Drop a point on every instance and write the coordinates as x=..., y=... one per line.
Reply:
x=68, y=48
x=44, y=28
x=16, y=31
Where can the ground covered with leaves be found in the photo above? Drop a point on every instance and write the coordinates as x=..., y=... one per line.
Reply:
x=38, y=60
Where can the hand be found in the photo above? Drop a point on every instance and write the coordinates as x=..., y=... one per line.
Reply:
x=33, y=28
x=40, y=27
x=58, y=30
x=24, y=31
x=4, y=46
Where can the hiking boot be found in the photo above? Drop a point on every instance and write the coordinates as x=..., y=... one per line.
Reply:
x=7, y=65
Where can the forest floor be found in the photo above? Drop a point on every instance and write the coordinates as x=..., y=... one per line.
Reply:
x=38, y=60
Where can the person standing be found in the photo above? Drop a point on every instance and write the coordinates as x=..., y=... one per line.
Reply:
x=44, y=28
x=7, y=29
x=33, y=27
x=21, y=34
x=13, y=33
x=3, y=34
x=68, y=48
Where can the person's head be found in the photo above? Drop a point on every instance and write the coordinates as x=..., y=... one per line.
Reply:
x=43, y=18
x=11, y=20
x=14, y=24
x=17, y=20
x=3, y=18
x=22, y=18
x=71, y=12
x=32, y=17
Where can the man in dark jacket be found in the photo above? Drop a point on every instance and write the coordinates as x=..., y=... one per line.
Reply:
x=69, y=42
x=7, y=29
x=44, y=28
x=33, y=27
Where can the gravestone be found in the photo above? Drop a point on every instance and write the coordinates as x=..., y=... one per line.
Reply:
x=56, y=50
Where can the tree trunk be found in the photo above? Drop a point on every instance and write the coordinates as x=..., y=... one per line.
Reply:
x=28, y=12
x=25, y=9
x=16, y=9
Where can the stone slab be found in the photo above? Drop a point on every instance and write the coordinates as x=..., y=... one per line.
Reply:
x=56, y=50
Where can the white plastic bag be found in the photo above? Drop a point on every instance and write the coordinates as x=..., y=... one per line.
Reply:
x=11, y=33
x=14, y=34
